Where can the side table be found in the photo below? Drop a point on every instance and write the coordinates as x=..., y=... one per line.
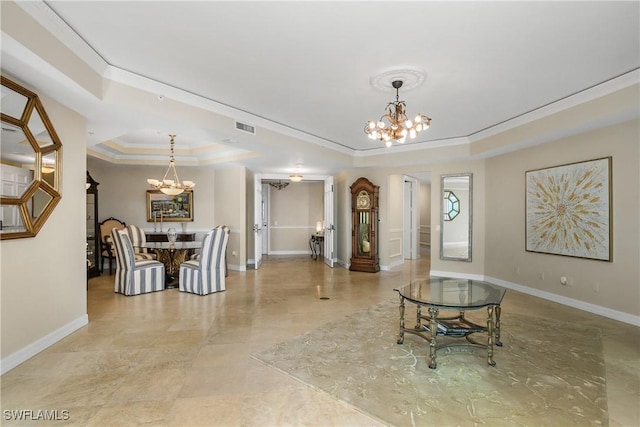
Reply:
x=316, y=243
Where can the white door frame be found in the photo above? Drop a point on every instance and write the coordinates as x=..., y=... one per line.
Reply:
x=329, y=222
x=257, y=221
x=330, y=235
x=264, y=217
x=411, y=214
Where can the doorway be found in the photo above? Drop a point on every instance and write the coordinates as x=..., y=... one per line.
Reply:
x=286, y=229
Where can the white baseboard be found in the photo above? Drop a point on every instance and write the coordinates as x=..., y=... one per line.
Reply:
x=303, y=252
x=458, y=275
x=235, y=267
x=392, y=265
x=581, y=305
x=26, y=353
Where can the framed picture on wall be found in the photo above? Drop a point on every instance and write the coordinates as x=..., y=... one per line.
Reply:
x=164, y=208
x=568, y=210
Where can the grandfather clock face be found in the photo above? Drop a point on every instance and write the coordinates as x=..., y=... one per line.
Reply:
x=363, y=200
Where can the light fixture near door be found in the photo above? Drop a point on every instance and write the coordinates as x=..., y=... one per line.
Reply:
x=296, y=176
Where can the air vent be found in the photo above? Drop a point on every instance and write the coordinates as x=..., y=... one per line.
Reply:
x=9, y=130
x=246, y=128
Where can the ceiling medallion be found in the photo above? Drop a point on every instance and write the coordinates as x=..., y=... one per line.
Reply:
x=411, y=78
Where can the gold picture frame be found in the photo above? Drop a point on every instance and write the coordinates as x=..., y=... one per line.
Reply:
x=164, y=208
x=568, y=210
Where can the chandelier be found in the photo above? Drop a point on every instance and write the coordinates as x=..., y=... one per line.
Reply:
x=398, y=126
x=171, y=187
x=278, y=185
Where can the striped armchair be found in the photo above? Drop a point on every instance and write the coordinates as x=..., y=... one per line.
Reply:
x=138, y=240
x=134, y=277
x=206, y=275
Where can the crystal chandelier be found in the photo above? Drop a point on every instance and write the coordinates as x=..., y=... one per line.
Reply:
x=398, y=126
x=171, y=187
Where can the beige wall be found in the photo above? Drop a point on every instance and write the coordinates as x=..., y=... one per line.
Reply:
x=122, y=193
x=229, y=192
x=505, y=218
x=293, y=213
x=343, y=218
x=43, y=279
x=394, y=221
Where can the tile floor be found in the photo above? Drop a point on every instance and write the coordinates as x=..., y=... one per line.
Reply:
x=175, y=359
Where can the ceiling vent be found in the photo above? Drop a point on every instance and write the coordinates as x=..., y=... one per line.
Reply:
x=246, y=128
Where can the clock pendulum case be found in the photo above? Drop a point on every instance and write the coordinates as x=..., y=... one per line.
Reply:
x=364, y=231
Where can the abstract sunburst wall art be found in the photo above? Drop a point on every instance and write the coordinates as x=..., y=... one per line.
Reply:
x=568, y=210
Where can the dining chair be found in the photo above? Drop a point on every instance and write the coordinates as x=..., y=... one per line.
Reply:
x=134, y=277
x=227, y=230
x=107, y=250
x=138, y=240
x=206, y=275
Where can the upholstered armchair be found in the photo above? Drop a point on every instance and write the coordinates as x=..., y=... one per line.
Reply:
x=107, y=250
x=206, y=275
x=138, y=240
x=134, y=277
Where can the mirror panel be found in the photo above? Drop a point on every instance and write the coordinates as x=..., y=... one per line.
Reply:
x=38, y=204
x=30, y=163
x=38, y=129
x=17, y=161
x=456, y=216
x=49, y=168
x=13, y=103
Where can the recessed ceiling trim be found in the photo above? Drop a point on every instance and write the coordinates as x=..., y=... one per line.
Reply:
x=52, y=22
x=139, y=82
x=582, y=97
x=413, y=147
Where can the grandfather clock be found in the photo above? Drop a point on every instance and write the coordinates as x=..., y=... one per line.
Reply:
x=364, y=232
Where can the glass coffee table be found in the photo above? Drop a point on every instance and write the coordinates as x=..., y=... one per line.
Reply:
x=458, y=295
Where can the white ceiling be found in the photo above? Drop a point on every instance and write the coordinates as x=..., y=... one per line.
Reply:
x=303, y=69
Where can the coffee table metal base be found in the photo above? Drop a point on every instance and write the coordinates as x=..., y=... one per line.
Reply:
x=456, y=326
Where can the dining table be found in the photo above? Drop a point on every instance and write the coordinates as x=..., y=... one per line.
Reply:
x=172, y=254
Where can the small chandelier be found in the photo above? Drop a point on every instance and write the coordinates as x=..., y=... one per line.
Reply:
x=399, y=126
x=278, y=185
x=171, y=187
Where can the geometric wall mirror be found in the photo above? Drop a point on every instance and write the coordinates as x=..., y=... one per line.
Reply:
x=30, y=163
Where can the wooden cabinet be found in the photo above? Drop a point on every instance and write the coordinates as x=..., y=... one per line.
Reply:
x=93, y=232
x=364, y=232
x=162, y=237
